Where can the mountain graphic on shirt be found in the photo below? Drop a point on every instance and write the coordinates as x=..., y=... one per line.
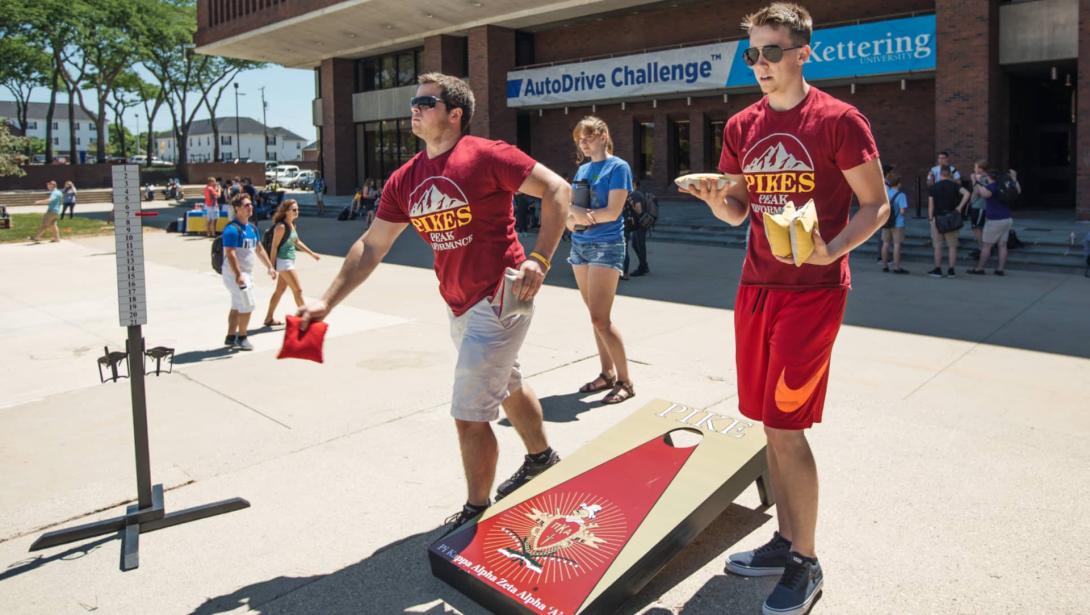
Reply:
x=776, y=159
x=429, y=197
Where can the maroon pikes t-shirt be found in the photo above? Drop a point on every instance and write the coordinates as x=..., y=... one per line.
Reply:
x=460, y=204
x=796, y=155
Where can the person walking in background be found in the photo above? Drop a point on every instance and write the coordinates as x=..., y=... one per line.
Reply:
x=285, y=244
x=53, y=204
x=368, y=198
x=636, y=231
x=998, y=193
x=211, y=206
x=598, y=251
x=319, y=193
x=69, y=200
x=945, y=197
x=241, y=246
x=893, y=234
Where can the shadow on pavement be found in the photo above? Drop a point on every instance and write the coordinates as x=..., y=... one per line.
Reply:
x=564, y=408
x=197, y=356
x=38, y=561
x=398, y=579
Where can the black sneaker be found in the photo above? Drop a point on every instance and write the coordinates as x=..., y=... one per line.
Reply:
x=765, y=560
x=900, y=271
x=885, y=268
x=639, y=272
x=529, y=470
x=999, y=272
x=460, y=518
x=976, y=271
x=936, y=272
x=230, y=341
x=950, y=272
x=799, y=586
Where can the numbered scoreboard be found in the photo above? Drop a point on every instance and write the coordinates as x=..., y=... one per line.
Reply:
x=132, y=305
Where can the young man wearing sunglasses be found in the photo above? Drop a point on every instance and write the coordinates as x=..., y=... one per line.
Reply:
x=795, y=144
x=457, y=194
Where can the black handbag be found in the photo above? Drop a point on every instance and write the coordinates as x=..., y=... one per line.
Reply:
x=949, y=222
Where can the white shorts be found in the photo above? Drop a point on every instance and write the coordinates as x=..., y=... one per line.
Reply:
x=488, y=369
x=285, y=264
x=242, y=300
x=996, y=231
x=212, y=213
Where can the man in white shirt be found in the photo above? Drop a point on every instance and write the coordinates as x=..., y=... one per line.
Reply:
x=944, y=160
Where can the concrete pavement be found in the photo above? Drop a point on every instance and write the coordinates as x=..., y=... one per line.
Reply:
x=954, y=470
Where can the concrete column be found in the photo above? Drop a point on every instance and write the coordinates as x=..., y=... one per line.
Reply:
x=445, y=54
x=1082, y=139
x=338, y=130
x=967, y=81
x=491, y=55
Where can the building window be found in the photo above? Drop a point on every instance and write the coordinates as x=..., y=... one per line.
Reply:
x=272, y=155
x=388, y=71
x=226, y=139
x=32, y=125
x=715, y=134
x=382, y=147
x=680, y=147
x=56, y=140
x=270, y=140
x=78, y=142
x=56, y=126
x=646, y=138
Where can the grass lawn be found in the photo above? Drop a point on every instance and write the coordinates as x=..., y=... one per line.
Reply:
x=25, y=225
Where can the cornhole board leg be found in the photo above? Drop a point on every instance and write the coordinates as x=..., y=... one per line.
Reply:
x=591, y=531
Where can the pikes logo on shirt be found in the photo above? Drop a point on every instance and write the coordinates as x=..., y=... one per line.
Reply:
x=439, y=209
x=778, y=168
x=555, y=537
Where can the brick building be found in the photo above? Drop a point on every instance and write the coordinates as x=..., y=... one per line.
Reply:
x=987, y=79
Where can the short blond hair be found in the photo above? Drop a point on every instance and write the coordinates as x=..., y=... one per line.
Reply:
x=788, y=15
x=591, y=125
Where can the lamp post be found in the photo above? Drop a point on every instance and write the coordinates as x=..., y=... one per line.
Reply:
x=238, y=132
x=137, y=139
x=264, y=126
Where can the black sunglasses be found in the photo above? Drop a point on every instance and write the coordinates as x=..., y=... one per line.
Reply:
x=425, y=102
x=772, y=53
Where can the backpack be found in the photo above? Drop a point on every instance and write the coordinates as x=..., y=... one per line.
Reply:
x=1007, y=190
x=345, y=214
x=894, y=211
x=650, y=213
x=217, y=249
x=267, y=239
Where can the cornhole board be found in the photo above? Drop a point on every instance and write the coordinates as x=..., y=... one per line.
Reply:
x=591, y=531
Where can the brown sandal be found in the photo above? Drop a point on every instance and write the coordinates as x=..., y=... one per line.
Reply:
x=621, y=391
x=593, y=387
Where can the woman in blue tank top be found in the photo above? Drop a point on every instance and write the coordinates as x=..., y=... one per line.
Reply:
x=598, y=249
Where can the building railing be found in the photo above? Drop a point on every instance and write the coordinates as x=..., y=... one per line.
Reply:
x=225, y=11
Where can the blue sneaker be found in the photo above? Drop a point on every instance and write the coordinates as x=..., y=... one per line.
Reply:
x=766, y=560
x=798, y=588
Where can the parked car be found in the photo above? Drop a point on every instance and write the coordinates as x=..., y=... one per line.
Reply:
x=140, y=159
x=285, y=173
x=303, y=180
x=270, y=170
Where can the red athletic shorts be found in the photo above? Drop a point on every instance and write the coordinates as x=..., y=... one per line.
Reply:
x=784, y=341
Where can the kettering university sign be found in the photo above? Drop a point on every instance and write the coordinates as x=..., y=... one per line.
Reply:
x=880, y=48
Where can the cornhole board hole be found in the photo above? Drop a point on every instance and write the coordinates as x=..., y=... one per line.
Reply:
x=591, y=531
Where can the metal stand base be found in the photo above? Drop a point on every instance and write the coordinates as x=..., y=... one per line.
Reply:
x=136, y=521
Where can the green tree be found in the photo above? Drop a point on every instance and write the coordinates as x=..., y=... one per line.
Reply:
x=123, y=142
x=24, y=66
x=11, y=148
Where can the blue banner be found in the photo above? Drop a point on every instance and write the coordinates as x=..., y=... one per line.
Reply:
x=879, y=48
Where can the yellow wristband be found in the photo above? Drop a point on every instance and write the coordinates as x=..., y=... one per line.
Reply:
x=541, y=259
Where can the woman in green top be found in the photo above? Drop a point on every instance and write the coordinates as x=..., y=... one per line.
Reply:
x=286, y=237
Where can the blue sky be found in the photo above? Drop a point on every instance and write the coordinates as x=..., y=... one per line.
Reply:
x=289, y=92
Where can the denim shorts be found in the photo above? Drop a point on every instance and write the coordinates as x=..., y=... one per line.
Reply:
x=600, y=254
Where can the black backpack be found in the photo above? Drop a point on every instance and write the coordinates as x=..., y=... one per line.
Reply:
x=650, y=214
x=1006, y=190
x=891, y=221
x=267, y=239
x=217, y=249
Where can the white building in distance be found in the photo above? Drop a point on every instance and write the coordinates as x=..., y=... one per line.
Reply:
x=36, y=126
x=283, y=145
